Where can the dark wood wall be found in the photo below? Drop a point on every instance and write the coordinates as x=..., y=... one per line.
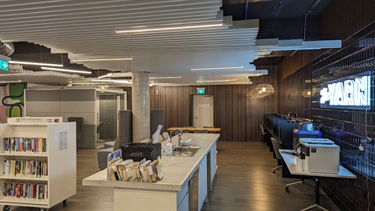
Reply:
x=342, y=18
x=235, y=111
x=290, y=97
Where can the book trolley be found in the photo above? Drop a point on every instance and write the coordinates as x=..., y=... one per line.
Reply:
x=37, y=163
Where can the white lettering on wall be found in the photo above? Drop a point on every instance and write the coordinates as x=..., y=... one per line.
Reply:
x=347, y=93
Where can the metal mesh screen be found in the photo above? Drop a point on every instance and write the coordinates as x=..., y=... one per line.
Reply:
x=353, y=130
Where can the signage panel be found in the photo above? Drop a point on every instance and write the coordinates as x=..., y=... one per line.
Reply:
x=353, y=92
x=201, y=91
x=4, y=65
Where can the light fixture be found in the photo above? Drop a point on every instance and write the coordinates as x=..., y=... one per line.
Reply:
x=262, y=90
x=103, y=60
x=306, y=93
x=165, y=77
x=66, y=70
x=103, y=76
x=122, y=81
x=35, y=63
x=167, y=28
x=216, y=68
x=213, y=81
x=111, y=81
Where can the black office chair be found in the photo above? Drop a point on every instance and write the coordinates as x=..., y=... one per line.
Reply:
x=276, y=146
x=263, y=133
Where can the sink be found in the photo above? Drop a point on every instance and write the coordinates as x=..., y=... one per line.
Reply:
x=185, y=151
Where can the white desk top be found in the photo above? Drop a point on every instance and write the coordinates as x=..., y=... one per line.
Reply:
x=291, y=160
x=176, y=170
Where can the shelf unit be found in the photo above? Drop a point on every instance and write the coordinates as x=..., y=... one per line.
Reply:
x=60, y=156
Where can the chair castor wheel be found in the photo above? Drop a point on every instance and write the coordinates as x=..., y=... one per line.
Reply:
x=6, y=208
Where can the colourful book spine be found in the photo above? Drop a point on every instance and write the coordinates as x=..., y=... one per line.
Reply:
x=20, y=147
x=12, y=144
x=40, y=145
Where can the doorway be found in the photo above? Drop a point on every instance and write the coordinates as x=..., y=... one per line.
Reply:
x=203, y=110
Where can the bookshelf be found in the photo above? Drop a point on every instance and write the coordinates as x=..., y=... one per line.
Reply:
x=37, y=163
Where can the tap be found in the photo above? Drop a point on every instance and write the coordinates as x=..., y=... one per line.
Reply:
x=179, y=132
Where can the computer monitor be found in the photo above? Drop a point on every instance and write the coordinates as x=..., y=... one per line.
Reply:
x=286, y=134
x=306, y=126
x=278, y=123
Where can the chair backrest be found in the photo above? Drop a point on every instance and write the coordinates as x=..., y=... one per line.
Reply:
x=262, y=129
x=116, y=145
x=200, y=131
x=99, y=127
x=276, y=146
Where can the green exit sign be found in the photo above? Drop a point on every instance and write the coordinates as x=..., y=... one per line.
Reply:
x=201, y=91
x=4, y=65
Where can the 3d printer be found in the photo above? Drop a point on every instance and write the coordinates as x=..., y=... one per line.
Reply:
x=319, y=155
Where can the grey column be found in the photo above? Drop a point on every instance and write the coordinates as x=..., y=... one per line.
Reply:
x=141, y=106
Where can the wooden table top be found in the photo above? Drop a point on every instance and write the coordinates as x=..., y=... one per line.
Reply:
x=192, y=129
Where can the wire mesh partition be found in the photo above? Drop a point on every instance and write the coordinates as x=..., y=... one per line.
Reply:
x=352, y=129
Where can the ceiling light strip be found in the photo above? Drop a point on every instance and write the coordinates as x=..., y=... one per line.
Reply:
x=102, y=60
x=35, y=63
x=66, y=70
x=103, y=76
x=213, y=81
x=169, y=28
x=216, y=68
x=111, y=81
x=166, y=77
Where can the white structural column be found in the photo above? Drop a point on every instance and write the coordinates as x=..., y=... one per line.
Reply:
x=140, y=106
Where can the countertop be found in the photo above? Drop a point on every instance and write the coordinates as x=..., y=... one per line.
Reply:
x=176, y=170
x=291, y=161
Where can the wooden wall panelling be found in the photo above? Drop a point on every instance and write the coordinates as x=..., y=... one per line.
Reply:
x=289, y=65
x=228, y=104
x=347, y=17
x=235, y=112
x=291, y=99
x=243, y=113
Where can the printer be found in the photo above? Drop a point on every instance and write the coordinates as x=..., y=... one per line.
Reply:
x=319, y=155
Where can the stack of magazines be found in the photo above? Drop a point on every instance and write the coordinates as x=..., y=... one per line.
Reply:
x=128, y=170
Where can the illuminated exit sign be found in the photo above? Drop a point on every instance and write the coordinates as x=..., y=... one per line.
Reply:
x=201, y=91
x=352, y=92
x=4, y=65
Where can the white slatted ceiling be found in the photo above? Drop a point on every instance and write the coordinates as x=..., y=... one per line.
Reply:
x=86, y=29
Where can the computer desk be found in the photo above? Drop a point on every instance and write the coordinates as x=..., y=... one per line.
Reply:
x=291, y=160
x=192, y=129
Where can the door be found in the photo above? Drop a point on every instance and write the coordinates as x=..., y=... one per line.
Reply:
x=203, y=110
